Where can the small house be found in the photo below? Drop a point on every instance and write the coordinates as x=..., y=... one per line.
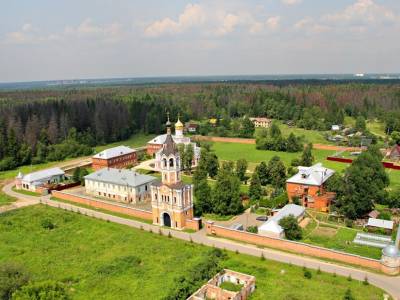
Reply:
x=272, y=227
x=34, y=181
x=378, y=224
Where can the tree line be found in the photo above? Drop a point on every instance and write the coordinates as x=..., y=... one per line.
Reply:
x=32, y=122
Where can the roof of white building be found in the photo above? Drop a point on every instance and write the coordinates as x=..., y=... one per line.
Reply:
x=120, y=177
x=114, y=152
x=159, y=140
x=314, y=175
x=380, y=223
x=41, y=175
x=272, y=225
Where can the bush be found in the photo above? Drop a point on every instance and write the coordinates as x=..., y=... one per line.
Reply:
x=307, y=274
x=252, y=229
x=291, y=227
x=46, y=290
x=348, y=295
x=48, y=224
x=12, y=277
x=187, y=284
x=385, y=216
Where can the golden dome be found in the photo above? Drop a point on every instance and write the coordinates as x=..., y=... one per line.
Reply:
x=179, y=124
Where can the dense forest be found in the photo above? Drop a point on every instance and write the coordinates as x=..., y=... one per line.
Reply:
x=51, y=124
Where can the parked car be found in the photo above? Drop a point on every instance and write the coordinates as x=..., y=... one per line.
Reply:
x=262, y=218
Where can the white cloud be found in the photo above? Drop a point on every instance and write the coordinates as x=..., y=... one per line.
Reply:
x=309, y=25
x=356, y=18
x=211, y=21
x=28, y=34
x=362, y=12
x=229, y=22
x=88, y=30
x=271, y=24
x=192, y=16
x=291, y=2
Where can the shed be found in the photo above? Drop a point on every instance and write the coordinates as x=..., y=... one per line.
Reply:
x=380, y=224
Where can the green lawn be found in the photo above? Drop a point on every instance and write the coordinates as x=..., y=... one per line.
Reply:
x=25, y=192
x=310, y=136
x=235, y=151
x=338, y=238
x=5, y=199
x=78, y=250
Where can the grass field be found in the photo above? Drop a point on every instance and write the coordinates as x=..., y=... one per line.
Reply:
x=235, y=151
x=79, y=248
x=5, y=199
x=338, y=238
x=24, y=192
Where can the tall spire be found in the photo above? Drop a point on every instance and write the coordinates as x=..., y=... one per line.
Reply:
x=168, y=124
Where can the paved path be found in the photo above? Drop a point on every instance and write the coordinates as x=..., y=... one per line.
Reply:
x=389, y=284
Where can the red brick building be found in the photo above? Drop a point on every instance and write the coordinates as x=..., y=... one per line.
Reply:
x=308, y=185
x=118, y=157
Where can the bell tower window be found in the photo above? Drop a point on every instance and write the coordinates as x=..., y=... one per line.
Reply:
x=171, y=162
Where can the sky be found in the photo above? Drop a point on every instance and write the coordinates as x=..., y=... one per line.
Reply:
x=74, y=39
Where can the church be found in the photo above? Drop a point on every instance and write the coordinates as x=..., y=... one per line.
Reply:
x=171, y=199
x=154, y=145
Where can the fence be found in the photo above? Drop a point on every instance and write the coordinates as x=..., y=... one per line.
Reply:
x=119, y=208
x=295, y=247
x=387, y=165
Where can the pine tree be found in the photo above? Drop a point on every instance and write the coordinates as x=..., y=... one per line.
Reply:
x=307, y=158
x=262, y=172
x=247, y=128
x=241, y=168
x=212, y=165
x=226, y=192
x=255, y=190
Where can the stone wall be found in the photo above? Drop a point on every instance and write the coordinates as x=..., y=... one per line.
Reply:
x=119, y=208
x=295, y=247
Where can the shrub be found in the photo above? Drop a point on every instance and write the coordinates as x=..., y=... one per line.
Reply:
x=187, y=284
x=12, y=277
x=48, y=224
x=46, y=290
x=291, y=227
x=348, y=295
x=252, y=229
x=307, y=274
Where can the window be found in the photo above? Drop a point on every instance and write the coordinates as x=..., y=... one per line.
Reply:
x=145, y=188
x=174, y=199
x=171, y=162
x=165, y=162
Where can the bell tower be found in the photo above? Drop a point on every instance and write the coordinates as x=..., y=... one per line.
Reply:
x=172, y=200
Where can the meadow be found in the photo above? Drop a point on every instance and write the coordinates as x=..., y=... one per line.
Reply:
x=88, y=255
x=235, y=151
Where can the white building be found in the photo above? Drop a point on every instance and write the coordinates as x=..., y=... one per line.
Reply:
x=272, y=227
x=120, y=185
x=34, y=180
x=178, y=139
